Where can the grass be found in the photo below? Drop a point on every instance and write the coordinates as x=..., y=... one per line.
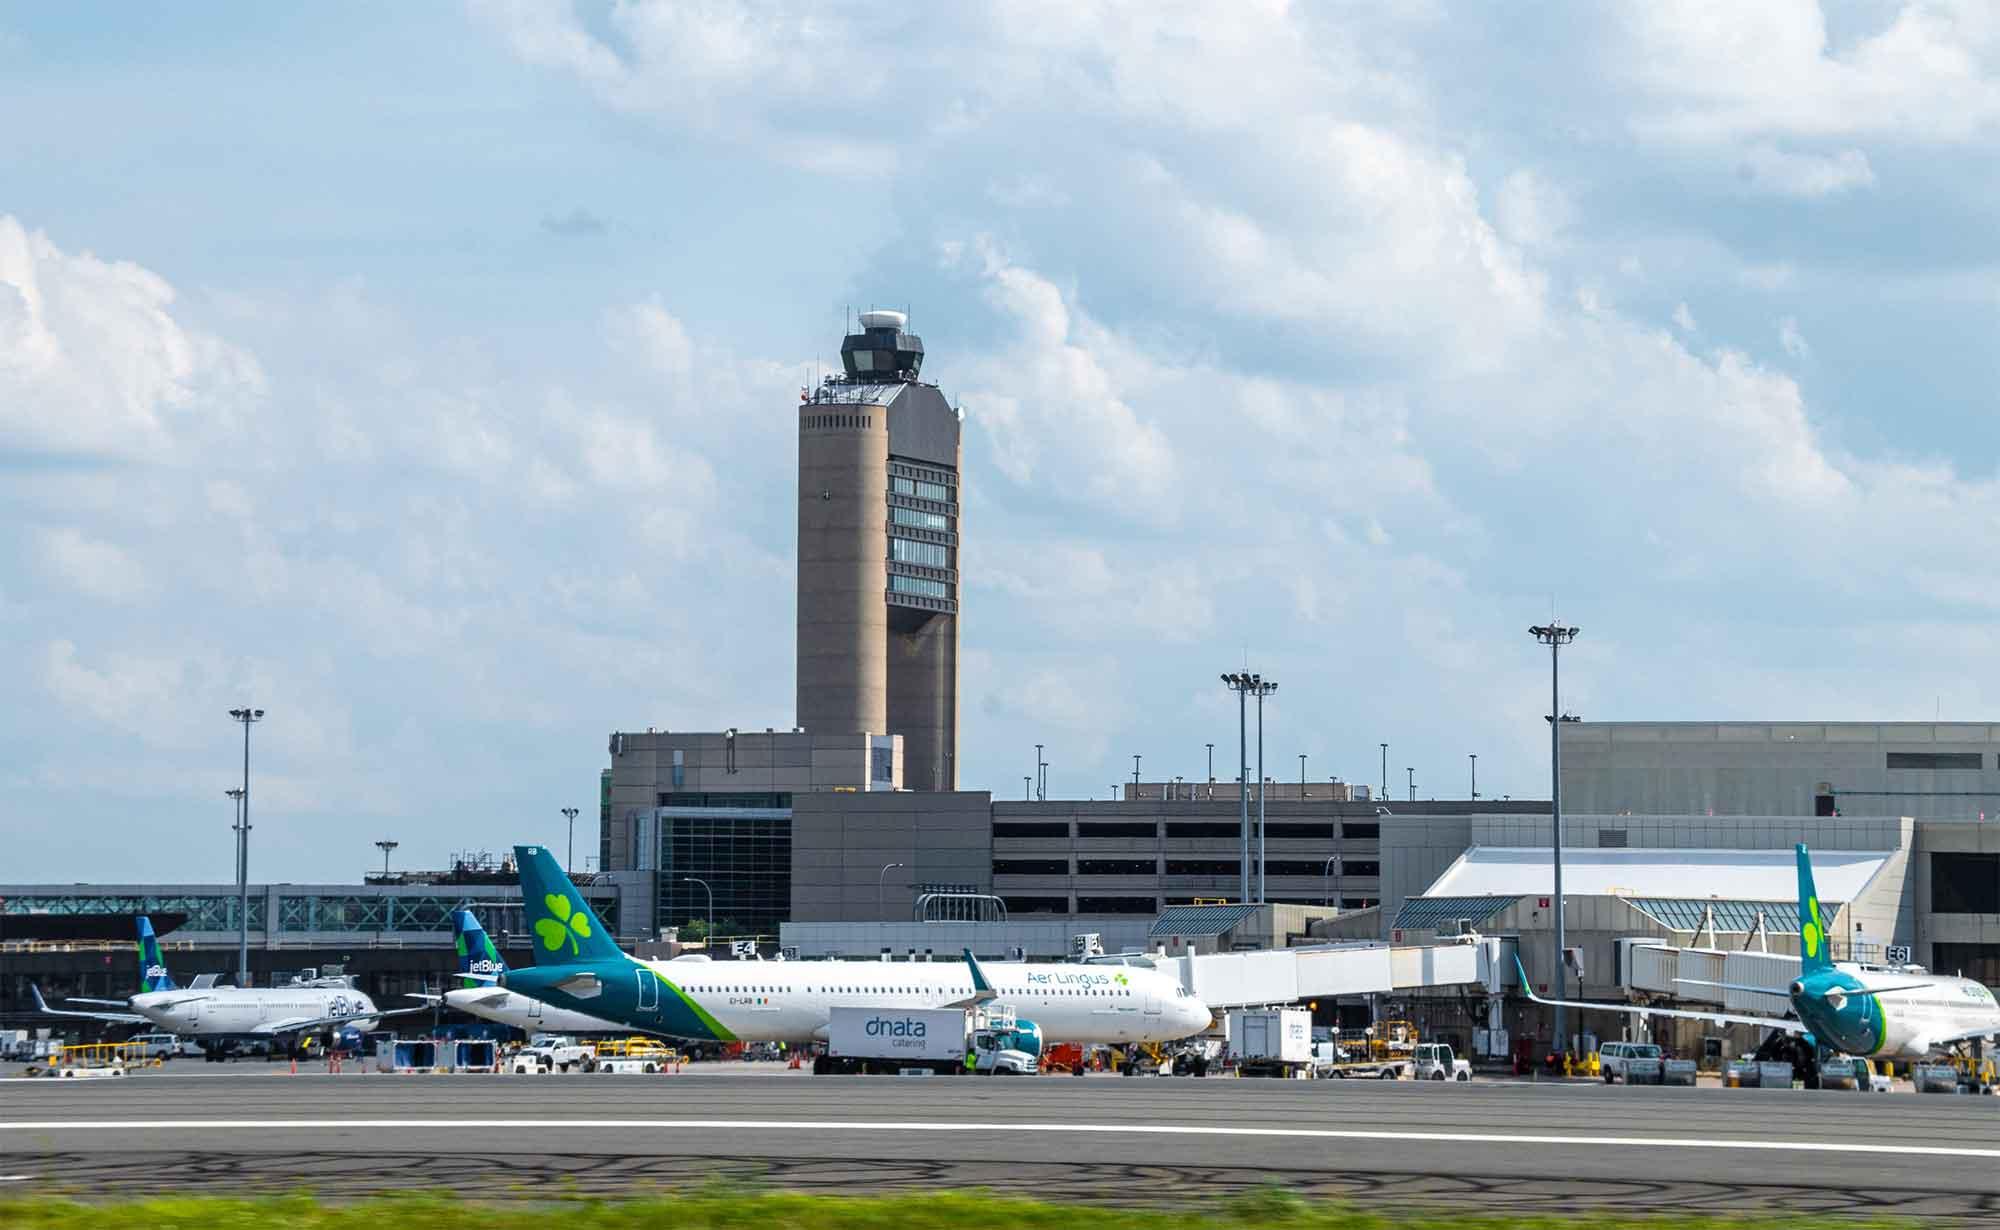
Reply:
x=723, y=1208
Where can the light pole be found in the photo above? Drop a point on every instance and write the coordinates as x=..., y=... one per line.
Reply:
x=710, y=937
x=1474, y=757
x=1241, y=684
x=1041, y=775
x=1385, y=771
x=879, y=877
x=1211, y=763
x=1135, y=775
x=247, y=716
x=569, y=863
x=1264, y=688
x=385, y=847
x=1555, y=637
x=1412, y=771
x=1325, y=874
x=1302, y=775
x=1027, y=788
x=242, y=835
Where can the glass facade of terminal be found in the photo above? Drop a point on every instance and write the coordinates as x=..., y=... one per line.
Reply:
x=740, y=848
x=346, y=911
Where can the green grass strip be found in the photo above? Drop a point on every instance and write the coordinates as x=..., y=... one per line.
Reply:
x=715, y=1208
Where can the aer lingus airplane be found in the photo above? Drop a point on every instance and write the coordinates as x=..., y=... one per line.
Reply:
x=1845, y=1007
x=219, y=1018
x=479, y=961
x=579, y=967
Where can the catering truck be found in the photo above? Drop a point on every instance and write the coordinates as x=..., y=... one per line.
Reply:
x=1271, y=1041
x=938, y=1040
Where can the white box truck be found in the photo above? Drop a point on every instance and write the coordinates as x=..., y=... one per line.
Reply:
x=943, y=1040
x=892, y=1039
x=1271, y=1041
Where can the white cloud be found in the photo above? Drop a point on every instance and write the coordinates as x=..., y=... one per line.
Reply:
x=99, y=569
x=1770, y=169
x=1723, y=71
x=1531, y=211
x=1791, y=339
x=93, y=360
x=655, y=334
x=1684, y=319
x=1057, y=375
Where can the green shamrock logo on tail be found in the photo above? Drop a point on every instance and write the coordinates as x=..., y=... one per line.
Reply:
x=553, y=931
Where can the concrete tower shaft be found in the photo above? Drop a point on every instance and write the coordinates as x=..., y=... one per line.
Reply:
x=879, y=504
x=843, y=635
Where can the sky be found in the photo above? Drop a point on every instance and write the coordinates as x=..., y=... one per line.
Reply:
x=425, y=375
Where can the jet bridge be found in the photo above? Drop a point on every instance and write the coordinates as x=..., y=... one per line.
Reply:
x=1288, y=975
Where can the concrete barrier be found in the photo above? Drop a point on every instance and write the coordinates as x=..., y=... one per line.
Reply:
x=1678, y=1072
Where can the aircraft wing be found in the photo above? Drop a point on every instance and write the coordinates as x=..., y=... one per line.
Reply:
x=429, y=999
x=1940, y=1041
x=299, y=1024
x=108, y=1003
x=1789, y=1024
x=123, y=1018
x=982, y=986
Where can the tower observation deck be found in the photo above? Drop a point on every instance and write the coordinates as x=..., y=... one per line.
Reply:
x=879, y=509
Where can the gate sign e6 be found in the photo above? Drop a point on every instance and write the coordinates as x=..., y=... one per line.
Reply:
x=1899, y=954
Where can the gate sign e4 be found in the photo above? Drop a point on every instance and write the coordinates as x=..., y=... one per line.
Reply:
x=1899, y=954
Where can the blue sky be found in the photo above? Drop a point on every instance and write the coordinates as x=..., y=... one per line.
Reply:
x=424, y=374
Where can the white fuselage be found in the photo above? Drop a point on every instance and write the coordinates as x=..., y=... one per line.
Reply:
x=1914, y=1019
x=792, y=1001
x=230, y=1011
x=513, y=1008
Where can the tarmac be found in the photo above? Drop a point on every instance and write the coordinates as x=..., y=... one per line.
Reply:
x=1488, y=1145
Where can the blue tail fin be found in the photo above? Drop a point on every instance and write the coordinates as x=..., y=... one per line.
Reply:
x=1813, y=954
x=566, y=929
x=153, y=975
x=476, y=953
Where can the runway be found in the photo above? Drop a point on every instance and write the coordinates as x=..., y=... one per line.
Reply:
x=1509, y=1147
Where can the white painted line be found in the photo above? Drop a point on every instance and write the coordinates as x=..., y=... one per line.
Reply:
x=1104, y=1129
x=15, y=1178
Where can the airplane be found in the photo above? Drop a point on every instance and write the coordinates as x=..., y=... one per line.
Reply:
x=1897, y=1014
x=478, y=959
x=579, y=966
x=219, y=1018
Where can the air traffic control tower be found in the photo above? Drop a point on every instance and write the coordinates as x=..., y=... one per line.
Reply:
x=878, y=553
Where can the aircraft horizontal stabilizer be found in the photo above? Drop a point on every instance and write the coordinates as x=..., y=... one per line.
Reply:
x=123, y=1018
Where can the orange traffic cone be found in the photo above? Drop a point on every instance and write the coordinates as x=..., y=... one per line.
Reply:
x=295, y=1065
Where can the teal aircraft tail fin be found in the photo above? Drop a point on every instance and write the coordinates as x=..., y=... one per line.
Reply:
x=153, y=975
x=1813, y=938
x=566, y=929
x=476, y=953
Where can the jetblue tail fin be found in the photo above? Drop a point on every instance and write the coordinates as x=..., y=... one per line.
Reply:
x=1813, y=937
x=566, y=929
x=153, y=975
x=476, y=953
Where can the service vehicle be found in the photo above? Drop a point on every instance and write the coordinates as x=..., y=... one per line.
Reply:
x=553, y=1056
x=162, y=1046
x=1435, y=1061
x=1271, y=1041
x=942, y=1040
x=1635, y=1063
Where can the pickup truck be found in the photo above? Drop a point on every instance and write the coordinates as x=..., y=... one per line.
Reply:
x=1435, y=1061
x=1638, y=1063
x=552, y=1057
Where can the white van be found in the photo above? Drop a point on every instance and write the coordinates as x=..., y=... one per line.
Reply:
x=1625, y=1061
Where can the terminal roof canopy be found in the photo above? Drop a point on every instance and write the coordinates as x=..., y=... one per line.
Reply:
x=1731, y=875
